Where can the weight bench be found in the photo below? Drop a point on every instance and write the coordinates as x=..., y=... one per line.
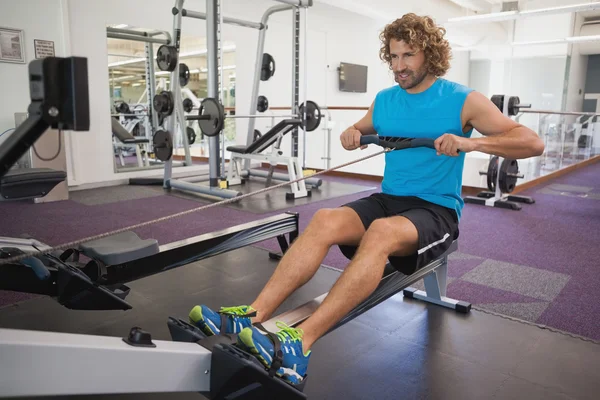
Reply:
x=254, y=152
x=127, y=140
x=31, y=183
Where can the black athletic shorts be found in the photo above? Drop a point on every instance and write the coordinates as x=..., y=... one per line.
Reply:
x=437, y=226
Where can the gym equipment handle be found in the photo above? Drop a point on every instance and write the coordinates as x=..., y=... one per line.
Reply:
x=399, y=143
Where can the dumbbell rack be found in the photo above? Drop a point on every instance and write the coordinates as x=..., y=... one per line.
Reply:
x=497, y=198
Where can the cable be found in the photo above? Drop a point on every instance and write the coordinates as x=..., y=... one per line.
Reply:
x=57, y=153
x=8, y=130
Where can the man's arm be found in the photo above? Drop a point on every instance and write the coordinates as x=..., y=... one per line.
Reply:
x=365, y=124
x=502, y=136
x=350, y=138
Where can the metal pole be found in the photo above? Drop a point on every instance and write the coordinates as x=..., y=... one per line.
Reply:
x=221, y=79
x=136, y=38
x=227, y=20
x=295, y=73
x=304, y=94
x=257, y=66
x=212, y=65
x=174, y=81
x=151, y=87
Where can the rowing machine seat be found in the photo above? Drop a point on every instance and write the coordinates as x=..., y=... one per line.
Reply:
x=120, y=248
x=19, y=184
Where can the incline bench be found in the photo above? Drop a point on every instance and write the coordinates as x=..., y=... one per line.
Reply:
x=254, y=152
x=127, y=140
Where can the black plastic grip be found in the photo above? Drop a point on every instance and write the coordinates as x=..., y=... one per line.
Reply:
x=369, y=139
x=423, y=142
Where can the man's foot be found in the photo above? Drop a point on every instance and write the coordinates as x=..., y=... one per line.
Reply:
x=209, y=321
x=295, y=362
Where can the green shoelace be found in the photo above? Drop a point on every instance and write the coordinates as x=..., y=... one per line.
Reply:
x=287, y=332
x=237, y=310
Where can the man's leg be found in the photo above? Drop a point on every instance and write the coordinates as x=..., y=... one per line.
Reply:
x=301, y=261
x=394, y=235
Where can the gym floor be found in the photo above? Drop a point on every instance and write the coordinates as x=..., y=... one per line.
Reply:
x=531, y=276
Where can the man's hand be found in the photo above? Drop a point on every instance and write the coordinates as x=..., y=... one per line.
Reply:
x=451, y=145
x=350, y=139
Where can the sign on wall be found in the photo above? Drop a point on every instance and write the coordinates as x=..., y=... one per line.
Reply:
x=12, y=47
x=43, y=48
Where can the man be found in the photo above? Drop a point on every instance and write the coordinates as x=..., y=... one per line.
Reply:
x=412, y=221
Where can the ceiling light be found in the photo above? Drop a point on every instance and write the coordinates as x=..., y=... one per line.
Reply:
x=571, y=39
x=509, y=15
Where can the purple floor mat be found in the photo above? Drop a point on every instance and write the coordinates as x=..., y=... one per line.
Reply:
x=553, y=240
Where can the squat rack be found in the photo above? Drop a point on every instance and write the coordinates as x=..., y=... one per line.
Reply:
x=214, y=19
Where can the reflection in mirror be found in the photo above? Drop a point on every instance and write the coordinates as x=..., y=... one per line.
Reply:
x=135, y=78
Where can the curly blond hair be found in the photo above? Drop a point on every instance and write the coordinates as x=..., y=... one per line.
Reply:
x=421, y=33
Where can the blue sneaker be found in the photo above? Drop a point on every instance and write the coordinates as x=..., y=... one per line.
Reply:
x=295, y=362
x=209, y=321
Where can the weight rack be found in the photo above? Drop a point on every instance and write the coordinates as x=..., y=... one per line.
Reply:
x=502, y=173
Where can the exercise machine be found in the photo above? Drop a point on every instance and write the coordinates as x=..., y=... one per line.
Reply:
x=502, y=173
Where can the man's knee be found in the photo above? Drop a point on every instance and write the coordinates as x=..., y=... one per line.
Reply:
x=336, y=225
x=394, y=236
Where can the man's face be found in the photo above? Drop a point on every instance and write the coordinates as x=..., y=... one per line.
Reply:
x=408, y=64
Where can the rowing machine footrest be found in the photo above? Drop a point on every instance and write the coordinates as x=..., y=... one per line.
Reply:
x=238, y=375
x=77, y=291
x=182, y=331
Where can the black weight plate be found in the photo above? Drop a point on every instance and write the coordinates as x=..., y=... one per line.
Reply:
x=163, y=145
x=498, y=100
x=513, y=103
x=123, y=108
x=262, y=104
x=164, y=103
x=313, y=115
x=214, y=125
x=508, y=171
x=267, y=68
x=188, y=105
x=257, y=135
x=492, y=173
x=184, y=74
x=191, y=134
x=166, y=58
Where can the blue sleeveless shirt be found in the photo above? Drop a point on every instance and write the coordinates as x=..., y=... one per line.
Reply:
x=420, y=171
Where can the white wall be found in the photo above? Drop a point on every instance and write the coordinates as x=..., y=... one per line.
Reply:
x=40, y=19
x=577, y=72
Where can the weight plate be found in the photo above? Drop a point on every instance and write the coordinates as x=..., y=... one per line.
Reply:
x=262, y=104
x=508, y=175
x=123, y=108
x=164, y=103
x=184, y=74
x=257, y=135
x=163, y=145
x=166, y=58
x=191, y=134
x=268, y=67
x=214, y=125
x=498, y=100
x=492, y=173
x=313, y=115
x=188, y=105
x=513, y=103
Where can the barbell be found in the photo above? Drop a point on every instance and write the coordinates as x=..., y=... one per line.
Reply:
x=211, y=116
x=514, y=104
